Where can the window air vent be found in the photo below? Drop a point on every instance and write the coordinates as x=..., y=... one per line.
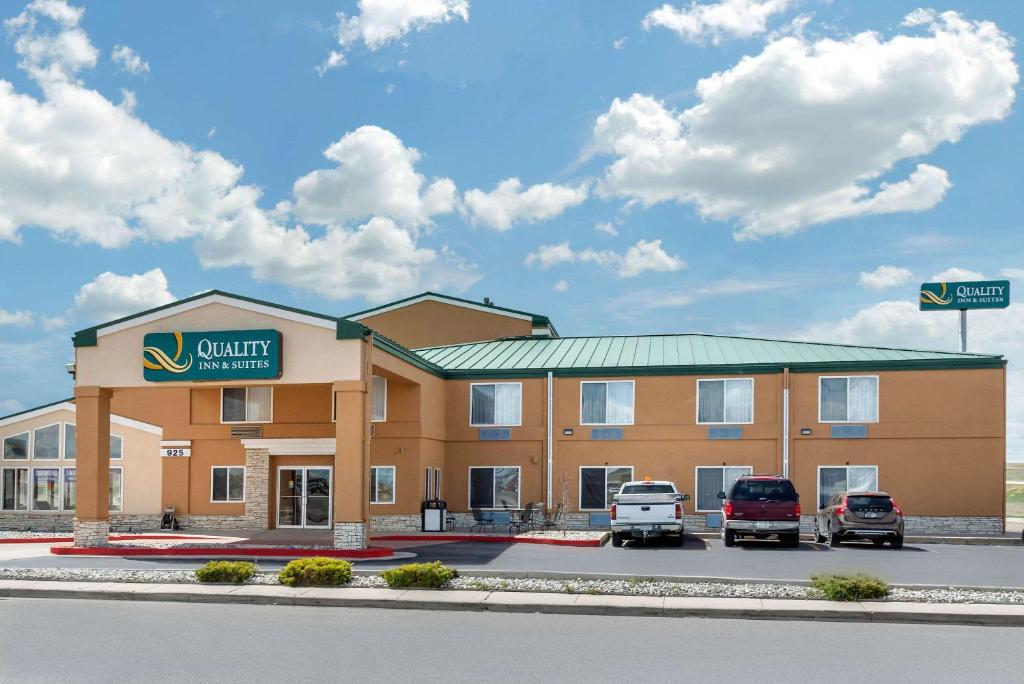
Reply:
x=247, y=431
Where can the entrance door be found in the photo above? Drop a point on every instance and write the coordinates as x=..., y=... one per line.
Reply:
x=304, y=496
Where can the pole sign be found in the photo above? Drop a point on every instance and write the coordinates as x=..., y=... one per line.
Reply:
x=220, y=355
x=981, y=294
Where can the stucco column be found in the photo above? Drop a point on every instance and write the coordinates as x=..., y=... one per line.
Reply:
x=92, y=474
x=351, y=474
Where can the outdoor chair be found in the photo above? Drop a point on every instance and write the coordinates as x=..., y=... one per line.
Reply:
x=525, y=519
x=481, y=520
x=553, y=520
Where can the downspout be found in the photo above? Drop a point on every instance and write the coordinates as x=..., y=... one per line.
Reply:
x=550, y=443
x=785, y=422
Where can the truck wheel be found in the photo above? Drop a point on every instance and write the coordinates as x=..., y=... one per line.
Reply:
x=616, y=539
x=729, y=538
x=833, y=538
x=897, y=541
x=678, y=540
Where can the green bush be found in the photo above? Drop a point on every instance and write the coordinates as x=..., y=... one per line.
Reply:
x=236, y=572
x=428, y=575
x=850, y=587
x=316, y=572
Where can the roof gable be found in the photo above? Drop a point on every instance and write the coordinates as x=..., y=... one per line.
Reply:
x=68, y=405
x=535, y=319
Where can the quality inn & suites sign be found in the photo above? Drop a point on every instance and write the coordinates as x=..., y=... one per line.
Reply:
x=219, y=355
x=982, y=294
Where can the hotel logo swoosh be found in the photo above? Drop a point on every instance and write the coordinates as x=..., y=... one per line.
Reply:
x=942, y=298
x=155, y=358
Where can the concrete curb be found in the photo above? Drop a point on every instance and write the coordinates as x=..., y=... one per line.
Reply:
x=1006, y=540
x=523, y=602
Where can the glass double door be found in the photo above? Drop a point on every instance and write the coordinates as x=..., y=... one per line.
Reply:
x=304, y=496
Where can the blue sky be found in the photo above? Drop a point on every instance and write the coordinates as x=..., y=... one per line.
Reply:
x=769, y=199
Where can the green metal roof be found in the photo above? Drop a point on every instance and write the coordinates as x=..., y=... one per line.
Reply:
x=687, y=353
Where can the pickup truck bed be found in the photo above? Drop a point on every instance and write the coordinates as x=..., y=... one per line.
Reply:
x=647, y=509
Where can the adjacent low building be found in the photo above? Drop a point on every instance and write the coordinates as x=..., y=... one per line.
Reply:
x=271, y=417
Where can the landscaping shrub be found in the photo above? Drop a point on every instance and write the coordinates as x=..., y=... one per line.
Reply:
x=850, y=587
x=428, y=575
x=237, y=572
x=316, y=572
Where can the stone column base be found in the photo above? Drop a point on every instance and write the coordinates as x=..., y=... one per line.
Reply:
x=92, y=532
x=350, y=535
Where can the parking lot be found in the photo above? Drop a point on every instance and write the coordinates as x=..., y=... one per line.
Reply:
x=914, y=564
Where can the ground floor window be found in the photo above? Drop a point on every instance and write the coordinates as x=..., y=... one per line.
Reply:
x=835, y=479
x=227, y=484
x=15, y=489
x=600, y=484
x=382, y=484
x=496, y=487
x=46, y=489
x=116, y=499
x=712, y=480
x=70, y=489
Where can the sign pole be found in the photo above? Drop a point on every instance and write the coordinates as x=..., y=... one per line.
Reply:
x=963, y=330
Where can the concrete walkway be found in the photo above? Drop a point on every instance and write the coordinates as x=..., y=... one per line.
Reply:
x=523, y=602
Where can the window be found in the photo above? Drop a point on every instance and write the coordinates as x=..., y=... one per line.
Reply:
x=851, y=399
x=69, y=441
x=379, y=399
x=494, y=487
x=116, y=446
x=496, y=403
x=70, y=489
x=600, y=484
x=46, y=489
x=606, y=403
x=712, y=480
x=725, y=401
x=227, y=484
x=46, y=442
x=16, y=447
x=116, y=499
x=835, y=479
x=15, y=489
x=247, y=405
x=382, y=484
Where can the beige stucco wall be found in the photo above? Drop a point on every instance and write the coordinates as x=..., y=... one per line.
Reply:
x=141, y=461
x=312, y=354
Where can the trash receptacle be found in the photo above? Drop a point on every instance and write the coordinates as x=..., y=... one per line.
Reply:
x=433, y=512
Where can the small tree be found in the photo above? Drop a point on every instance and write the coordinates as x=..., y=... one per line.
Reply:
x=563, y=501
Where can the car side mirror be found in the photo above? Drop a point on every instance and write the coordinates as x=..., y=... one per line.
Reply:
x=721, y=495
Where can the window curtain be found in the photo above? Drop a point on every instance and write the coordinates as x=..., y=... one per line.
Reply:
x=482, y=409
x=379, y=398
x=830, y=481
x=710, y=401
x=709, y=483
x=863, y=399
x=594, y=402
x=507, y=405
x=619, y=408
x=861, y=479
x=592, y=488
x=258, y=403
x=616, y=477
x=833, y=399
x=739, y=401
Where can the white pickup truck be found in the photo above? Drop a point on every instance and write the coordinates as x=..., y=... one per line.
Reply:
x=648, y=508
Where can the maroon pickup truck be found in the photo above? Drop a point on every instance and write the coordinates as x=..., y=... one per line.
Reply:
x=761, y=506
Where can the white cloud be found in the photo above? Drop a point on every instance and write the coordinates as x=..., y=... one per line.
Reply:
x=74, y=163
x=129, y=60
x=900, y=324
x=111, y=296
x=508, y=203
x=833, y=116
x=375, y=175
x=605, y=227
x=561, y=286
x=619, y=43
x=17, y=318
x=380, y=22
x=642, y=257
x=955, y=274
x=9, y=406
x=885, y=277
x=699, y=23
x=1012, y=273
x=732, y=286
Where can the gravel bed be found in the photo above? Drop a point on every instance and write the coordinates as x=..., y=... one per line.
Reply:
x=27, y=534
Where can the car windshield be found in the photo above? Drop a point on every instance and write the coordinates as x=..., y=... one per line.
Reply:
x=647, y=489
x=874, y=503
x=763, y=490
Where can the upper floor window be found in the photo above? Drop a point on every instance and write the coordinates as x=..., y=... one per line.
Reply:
x=116, y=446
x=70, y=449
x=379, y=399
x=46, y=442
x=725, y=401
x=606, y=403
x=495, y=403
x=16, y=447
x=247, y=405
x=852, y=399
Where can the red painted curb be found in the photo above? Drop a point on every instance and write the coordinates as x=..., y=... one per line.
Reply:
x=258, y=552
x=493, y=538
x=113, y=537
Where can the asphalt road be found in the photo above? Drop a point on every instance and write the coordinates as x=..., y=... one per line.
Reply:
x=53, y=640
x=914, y=564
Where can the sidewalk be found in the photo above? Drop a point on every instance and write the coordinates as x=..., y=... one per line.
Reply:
x=523, y=602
